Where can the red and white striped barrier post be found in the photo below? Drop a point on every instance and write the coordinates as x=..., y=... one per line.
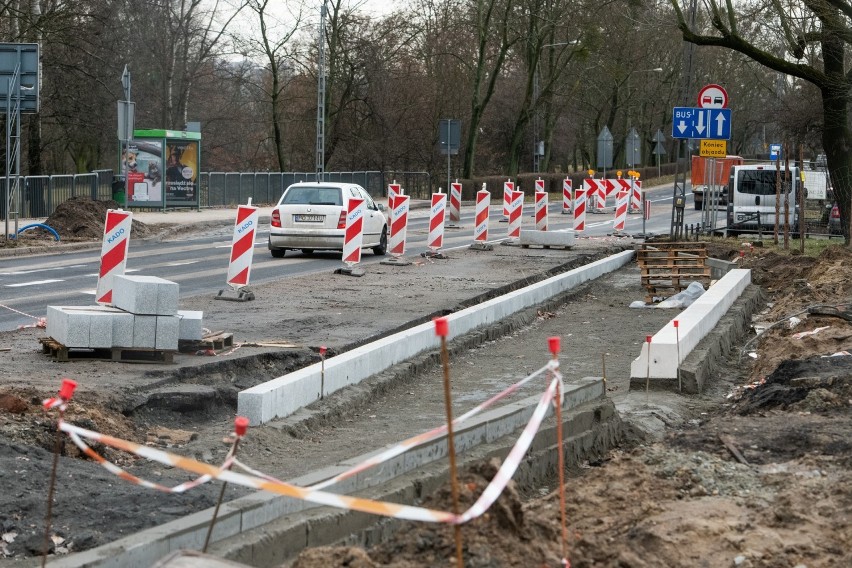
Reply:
x=399, y=224
x=539, y=185
x=436, y=225
x=608, y=187
x=480, y=229
x=540, y=211
x=353, y=237
x=635, y=192
x=621, y=202
x=242, y=246
x=516, y=217
x=113, y=252
x=455, y=201
x=394, y=189
x=508, y=188
x=567, y=191
x=580, y=209
x=398, y=229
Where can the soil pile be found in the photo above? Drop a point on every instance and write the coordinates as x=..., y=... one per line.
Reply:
x=508, y=534
x=80, y=219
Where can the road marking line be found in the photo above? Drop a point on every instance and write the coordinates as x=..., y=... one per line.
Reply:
x=20, y=272
x=181, y=263
x=33, y=283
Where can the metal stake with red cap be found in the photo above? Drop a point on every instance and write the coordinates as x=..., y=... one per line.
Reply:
x=113, y=252
x=442, y=329
x=66, y=391
x=242, y=253
x=554, y=345
x=241, y=424
x=353, y=237
x=567, y=191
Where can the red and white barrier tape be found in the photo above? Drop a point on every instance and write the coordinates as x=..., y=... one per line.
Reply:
x=40, y=322
x=491, y=493
x=118, y=472
x=401, y=447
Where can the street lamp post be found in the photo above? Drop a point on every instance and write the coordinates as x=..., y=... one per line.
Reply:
x=320, y=162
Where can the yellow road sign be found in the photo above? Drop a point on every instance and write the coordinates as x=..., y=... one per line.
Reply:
x=714, y=148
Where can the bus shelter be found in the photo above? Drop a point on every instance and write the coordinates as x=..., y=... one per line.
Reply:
x=161, y=169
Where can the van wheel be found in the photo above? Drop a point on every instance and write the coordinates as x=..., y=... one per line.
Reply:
x=383, y=244
x=307, y=251
x=277, y=253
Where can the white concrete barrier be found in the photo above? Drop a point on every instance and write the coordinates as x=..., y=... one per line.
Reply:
x=286, y=394
x=694, y=323
x=561, y=238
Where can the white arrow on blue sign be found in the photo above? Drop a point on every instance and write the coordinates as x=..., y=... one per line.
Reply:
x=701, y=123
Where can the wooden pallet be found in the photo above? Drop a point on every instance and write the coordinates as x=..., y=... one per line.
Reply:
x=668, y=268
x=216, y=341
x=120, y=354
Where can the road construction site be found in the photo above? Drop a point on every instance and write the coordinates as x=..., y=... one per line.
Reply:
x=188, y=409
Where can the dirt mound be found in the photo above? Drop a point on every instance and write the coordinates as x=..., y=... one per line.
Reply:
x=812, y=384
x=509, y=534
x=81, y=218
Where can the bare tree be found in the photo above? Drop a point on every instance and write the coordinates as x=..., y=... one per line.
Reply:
x=809, y=40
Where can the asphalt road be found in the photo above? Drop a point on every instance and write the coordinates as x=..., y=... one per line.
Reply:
x=199, y=265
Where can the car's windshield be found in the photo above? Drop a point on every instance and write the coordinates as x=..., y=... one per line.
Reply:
x=313, y=196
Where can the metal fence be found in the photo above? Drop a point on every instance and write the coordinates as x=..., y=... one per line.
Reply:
x=231, y=188
x=42, y=194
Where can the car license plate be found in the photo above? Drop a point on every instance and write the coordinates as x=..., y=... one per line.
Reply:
x=308, y=218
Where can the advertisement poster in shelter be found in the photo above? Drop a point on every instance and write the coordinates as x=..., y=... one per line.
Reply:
x=181, y=170
x=141, y=164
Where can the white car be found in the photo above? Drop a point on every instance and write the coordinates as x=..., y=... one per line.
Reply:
x=312, y=216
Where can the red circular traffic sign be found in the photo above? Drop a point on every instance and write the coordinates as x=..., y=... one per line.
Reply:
x=713, y=96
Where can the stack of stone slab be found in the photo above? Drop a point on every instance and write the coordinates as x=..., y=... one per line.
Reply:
x=144, y=316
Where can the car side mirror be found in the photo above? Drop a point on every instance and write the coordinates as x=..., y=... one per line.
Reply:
x=381, y=206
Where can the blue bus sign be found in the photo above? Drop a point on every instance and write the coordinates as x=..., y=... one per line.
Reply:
x=701, y=123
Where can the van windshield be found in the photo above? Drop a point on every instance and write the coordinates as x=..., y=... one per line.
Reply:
x=313, y=196
x=760, y=182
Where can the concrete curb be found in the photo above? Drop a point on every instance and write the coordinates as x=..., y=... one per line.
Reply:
x=257, y=509
x=703, y=361
x=285, y=395
x=670, y=346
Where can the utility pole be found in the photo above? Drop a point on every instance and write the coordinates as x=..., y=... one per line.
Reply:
x=320, y=163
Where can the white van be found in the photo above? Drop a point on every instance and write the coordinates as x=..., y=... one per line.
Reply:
x=751, y=191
